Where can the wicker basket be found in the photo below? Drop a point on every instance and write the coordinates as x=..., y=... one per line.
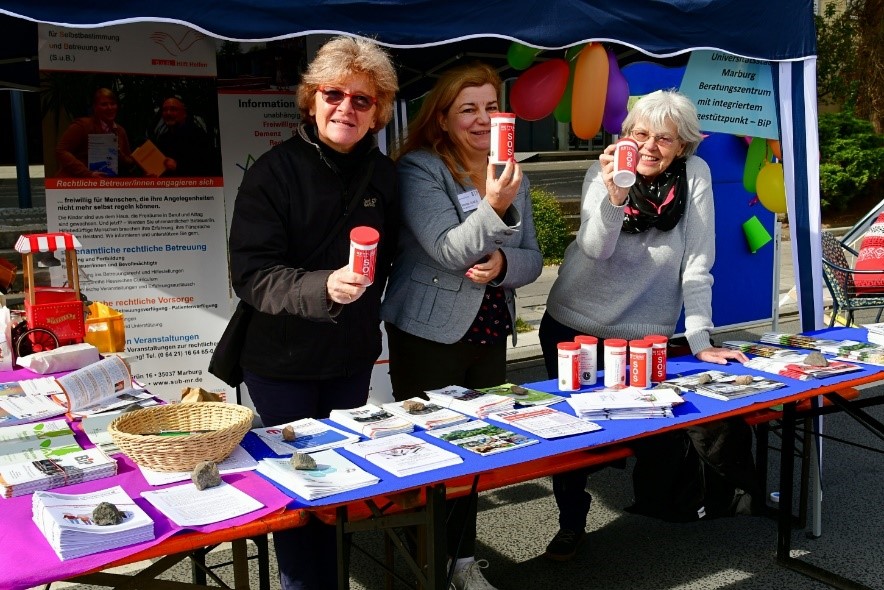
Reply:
x=226, y=425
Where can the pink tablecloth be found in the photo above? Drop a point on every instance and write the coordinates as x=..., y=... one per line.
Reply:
x=26, y=559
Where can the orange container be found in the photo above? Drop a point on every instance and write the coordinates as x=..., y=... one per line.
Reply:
x=105, y=329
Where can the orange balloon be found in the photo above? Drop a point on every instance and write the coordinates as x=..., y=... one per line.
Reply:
x=774, y=146
x=588, y=93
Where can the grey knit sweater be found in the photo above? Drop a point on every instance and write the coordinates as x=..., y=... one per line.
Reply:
x=619, y=285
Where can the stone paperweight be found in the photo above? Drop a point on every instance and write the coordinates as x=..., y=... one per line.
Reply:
x=303, y=461
x=206, y=475
x=106, y=514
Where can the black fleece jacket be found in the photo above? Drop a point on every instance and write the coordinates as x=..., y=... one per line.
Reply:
x=290, y=199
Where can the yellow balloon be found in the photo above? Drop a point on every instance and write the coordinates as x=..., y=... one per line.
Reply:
x=771, y=187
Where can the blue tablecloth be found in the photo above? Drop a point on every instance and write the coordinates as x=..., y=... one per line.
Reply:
x=696, y=407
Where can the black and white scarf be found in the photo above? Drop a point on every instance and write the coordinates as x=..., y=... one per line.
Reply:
x=659, y=203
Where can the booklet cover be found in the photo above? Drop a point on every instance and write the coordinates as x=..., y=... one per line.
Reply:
x=311, y=435
x=19, y=405
x=545, y=422
x=425, y=414
x=404, y=454
x=723, y=386
x=522, y=396
x=66, y=522
x=800, y=370
x=18, y=479
x=334, y=474
x=483, y=438
x=371, y=421
x=469, y=401
x=100, y=387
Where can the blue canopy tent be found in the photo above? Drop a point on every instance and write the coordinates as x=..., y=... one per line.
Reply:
x=780, y=32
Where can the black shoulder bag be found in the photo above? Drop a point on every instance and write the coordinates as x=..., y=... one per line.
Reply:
x=224, y=363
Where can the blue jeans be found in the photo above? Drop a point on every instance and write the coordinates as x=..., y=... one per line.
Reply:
x=306, y=556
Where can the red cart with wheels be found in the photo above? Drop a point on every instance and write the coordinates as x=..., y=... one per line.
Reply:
x=54, y=316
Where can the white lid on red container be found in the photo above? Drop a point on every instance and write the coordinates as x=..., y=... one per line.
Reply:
x=365, y=235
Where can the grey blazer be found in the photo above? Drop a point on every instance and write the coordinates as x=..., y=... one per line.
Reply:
x=428, y=294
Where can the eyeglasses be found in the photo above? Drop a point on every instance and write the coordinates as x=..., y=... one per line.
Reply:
x=642, y=136
x=334, y=97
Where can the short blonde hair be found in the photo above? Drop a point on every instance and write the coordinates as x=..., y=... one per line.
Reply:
x=656, y=108
x=346, y=56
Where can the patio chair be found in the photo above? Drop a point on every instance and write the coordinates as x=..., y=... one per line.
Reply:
x=839, y=275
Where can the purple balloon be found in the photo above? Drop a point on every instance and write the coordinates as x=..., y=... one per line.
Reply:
x=616, y=97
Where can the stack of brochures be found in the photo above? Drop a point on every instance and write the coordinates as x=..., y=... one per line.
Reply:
x=17, y=479
x=37, y=440
x=875, y=333
x=404, y=454
x=545, y=422
x=801, y=370
x=628, y=402
x=722, y=386
x=470, y=401
x=824, y=345
x=425, y=414
x=334, y=474
x=757, y=349
x=371, y=421
x=66, y=522
x=45, y=455
x=483, y=438
x=29, y=400
x=310, y=436
x=522, y=396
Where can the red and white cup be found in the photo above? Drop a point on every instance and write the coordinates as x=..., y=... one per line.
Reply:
x=503, y=138
x=569, y=366
x=640, y=363
x=659, y=344
x=625, y=160
x=364, y=250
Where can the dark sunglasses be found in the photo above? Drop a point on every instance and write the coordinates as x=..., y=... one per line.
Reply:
x=334, y=97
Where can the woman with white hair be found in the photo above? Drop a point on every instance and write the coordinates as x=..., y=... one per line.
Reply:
x=641, y=254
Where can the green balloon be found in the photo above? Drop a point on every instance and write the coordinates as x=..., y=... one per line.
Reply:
x=562, y=112
x=521, y=56
x=756, y=158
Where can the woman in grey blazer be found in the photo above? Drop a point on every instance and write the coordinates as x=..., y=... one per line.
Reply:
x=467, y=241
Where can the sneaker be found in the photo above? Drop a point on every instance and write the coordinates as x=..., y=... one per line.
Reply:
x=564, y=545
x=471, y=578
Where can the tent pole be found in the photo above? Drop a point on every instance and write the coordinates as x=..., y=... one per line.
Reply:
x=20, y=142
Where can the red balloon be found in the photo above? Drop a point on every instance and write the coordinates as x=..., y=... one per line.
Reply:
x=539, y=89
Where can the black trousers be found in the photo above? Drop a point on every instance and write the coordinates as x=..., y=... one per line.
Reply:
x=418, y=364
x=307, y=555
x=705, y=469
x=569, y=488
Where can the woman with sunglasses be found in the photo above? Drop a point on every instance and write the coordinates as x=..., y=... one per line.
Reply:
x=314, y=333
x=641, y=254
x=467, y=241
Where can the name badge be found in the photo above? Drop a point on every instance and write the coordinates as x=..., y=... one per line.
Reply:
x=469, y=200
